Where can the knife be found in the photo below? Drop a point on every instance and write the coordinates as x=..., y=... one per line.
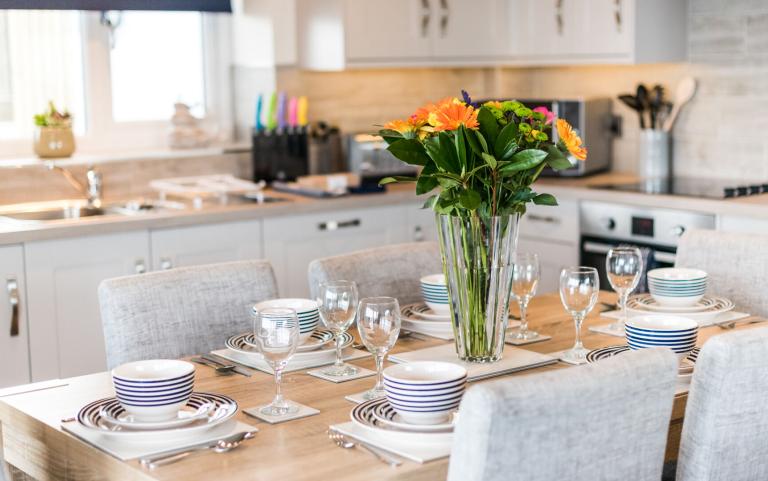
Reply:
x=226, y=362
x=302, y=108
x=281, y=111
x=257, y=120
x=272, y=112
x=293, y=106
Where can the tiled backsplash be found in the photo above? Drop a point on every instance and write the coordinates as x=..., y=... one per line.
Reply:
x=720, y=134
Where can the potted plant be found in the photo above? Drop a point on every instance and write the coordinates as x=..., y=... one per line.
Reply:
x=480, y=161
x=53, y=133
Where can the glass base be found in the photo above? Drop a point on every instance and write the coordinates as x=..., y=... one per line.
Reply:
x=374, y=394
x=524, y=335
x=576, y=354
x=480, y=359
x=283, y=409
x=340, y=371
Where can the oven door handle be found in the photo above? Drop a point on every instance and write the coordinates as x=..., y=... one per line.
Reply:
x=665, y=257
x=596, y=247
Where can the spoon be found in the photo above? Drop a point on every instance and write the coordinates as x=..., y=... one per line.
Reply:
x=656, y=103
x=223, y=445
x=631, y=102
x=224, y=370
x=684, y=93
x=642, y=102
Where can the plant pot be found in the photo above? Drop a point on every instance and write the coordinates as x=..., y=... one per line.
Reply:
x=53, y=142
x=477, y=257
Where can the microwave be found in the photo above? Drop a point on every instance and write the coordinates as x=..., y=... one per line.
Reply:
x=596, y=124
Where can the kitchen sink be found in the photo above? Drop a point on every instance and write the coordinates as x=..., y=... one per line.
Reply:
x=44, y=212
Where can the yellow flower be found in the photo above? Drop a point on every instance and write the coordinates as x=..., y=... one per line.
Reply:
x=421, y=116
x=450, y=116
x=571, y=139
x=494, y=104
x=401, y=126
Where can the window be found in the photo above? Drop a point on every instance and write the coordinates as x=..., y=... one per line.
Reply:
x=119, y=87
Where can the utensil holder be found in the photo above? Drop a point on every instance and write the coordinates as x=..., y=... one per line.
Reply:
x=654, y=154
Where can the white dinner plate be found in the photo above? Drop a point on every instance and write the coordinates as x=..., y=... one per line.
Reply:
x=239, y=344
x=187, y=415
x=318, y=339
x=707, y=308
x=363, y=416
x=419, y=310
x=386, y=415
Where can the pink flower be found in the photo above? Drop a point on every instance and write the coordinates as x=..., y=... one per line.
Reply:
x=548, y=116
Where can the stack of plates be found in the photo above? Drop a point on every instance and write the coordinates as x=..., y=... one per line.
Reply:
x=315, y=349
x=435, y=293
x=707, y=308
x=676, y=333
x=425, y=392
x=306, y=311
x=420, y=318
x=677, y=287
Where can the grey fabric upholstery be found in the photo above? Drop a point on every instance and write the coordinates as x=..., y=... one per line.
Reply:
x=602, y=421
x=737, y=265
x=182, y=311
x=392, y=270
x=725, y=432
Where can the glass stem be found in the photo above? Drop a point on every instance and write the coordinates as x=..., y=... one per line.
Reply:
x=379, y=372
x=624, y=299
x=278, y=391
x=339, y=361
x=578, y=320
x=523, y=315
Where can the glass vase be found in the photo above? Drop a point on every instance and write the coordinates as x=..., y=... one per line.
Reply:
x=477, y=254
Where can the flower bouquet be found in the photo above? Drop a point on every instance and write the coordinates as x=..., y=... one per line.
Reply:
x=480, y=160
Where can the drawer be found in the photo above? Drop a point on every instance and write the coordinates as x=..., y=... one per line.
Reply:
x=560, y=223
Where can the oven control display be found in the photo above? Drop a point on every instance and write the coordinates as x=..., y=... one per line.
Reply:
x=642, y=226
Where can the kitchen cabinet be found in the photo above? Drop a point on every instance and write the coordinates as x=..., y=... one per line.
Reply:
x=14, y=329
x=421, y=224
x=205, y=244
x=291, y=243
x=66, y=338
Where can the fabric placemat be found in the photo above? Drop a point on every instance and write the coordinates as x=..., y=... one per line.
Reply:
x=417, y=451
x=513, y=360
x=132, y=449
x=349, y=354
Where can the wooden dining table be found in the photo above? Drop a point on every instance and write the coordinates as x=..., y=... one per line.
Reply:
x=34, y=445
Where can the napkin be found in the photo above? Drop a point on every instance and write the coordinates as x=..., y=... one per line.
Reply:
x=295, y=364
x=514, y=359
x=125, y=449
x=415, y=451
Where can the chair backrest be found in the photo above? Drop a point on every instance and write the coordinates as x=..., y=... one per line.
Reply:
x=737, y=265
x=392, y=270
x=182, y=311
x=602, y=421
x=725, y=431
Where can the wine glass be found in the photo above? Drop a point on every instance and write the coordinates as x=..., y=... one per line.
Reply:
x=276, y=335
x=378, y=322
x=579, y=288
x=525, y=279
x=623, y=265
x=337, y=301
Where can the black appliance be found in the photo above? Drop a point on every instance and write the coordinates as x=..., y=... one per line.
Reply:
x=691, y=187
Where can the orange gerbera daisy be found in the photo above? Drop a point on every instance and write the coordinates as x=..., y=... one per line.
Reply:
x=571, y=139
x=399, y=125
x=421, y=116
x=452, y=115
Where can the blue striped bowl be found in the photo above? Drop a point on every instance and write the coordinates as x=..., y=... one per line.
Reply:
x=674, y=332
x=425, y=392
x=435, y=293
x=153, y=390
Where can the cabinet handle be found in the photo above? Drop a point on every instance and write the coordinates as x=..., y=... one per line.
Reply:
x=617, y=15
x=13, y=299
x=426, y=14
x=559, y=16
x=446, y=11
x=140, y=266
x=165, y=263
x=543, y=218
x=334, y=225
x=418, y=234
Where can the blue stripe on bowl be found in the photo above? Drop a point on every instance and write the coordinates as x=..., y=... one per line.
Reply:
x=138, y=390
x=153, y=381
x=643, y=337
x=662, y=331
x=661, y=344
x=154, y=399
x=426, y=409
x=427, y=386
x=180, y=399
x=416, y=402
x=426, y=394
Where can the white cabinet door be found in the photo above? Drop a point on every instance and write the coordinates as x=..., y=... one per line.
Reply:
x=14, y=329
x=66, y=338
x=205, y=244
x=472, y=30
x=291, y=243
x=391, y=30
x=609, y=26
x=421, y=224
x=553, y=257
x=546, y=28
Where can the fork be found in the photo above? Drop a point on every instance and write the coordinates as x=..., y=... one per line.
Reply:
x=343, y=441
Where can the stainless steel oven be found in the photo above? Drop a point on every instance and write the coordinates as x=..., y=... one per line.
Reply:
x=654, y=231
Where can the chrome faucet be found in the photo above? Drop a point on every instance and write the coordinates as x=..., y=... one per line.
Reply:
x=91, y=191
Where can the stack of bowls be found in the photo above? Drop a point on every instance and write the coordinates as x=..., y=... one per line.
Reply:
x=153, y=390
x=425, y=392
x=306, y=311
x=676, y=333
x=435, y=293
x=677, y=287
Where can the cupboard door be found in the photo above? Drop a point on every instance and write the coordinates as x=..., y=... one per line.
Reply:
x=66, y=338
x=205, y=244
x=14, y=329
x=391, y=30
x=421, y=224
x=548, y=28
x=472, y=30
x=291, y=243
x=610, y=27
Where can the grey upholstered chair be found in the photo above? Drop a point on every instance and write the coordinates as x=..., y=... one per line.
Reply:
x=725, y=432
x=737, y=265
x=602, y=421
x=392, y=270
x=182, y=311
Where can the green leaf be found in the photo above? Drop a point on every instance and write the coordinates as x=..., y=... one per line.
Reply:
x=410, y=151
x=488, y=125
x=524, y=160
x=470, y=199
x=545, y=199
x=396, y=178
x=481, y=139
x=390, y=135
x=461, y=148
x=430, y=203
x=506, y=144
x=426, y=182
x=556, y=159
x=490, y=160
x=447, y=159
x=476, y=142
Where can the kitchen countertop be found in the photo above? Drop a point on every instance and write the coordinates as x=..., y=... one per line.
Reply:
x=564, y=188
